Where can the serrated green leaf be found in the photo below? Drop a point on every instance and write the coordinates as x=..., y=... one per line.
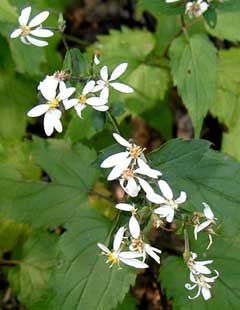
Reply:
x=194, y=65
x=161, y=6
x=76, y=63
x=36, y=260
x=40, y=203
x=128, y=303
x=89, y=283
x=227, y=26
x=230, y=144
x=205, y=175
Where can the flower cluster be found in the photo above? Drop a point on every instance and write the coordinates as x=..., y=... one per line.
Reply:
x=56, y=94
x=131, y=169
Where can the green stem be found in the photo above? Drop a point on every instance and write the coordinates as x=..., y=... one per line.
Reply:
x=75, y=40
x=186, y=253
x=114, y=122
x=115, y=223
x=64, y=42
x=9, y=263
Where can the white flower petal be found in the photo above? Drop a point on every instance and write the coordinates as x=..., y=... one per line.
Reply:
x=118, y=238
x=134, y=263
x=182, y=198
x=24, y=16
x=16, y=33
x=68, y=104
x=118, y=71
x=170, y=215
x=203, y=225
x=24, y=40
x=165, y=189
x=134, y=227
x=99, y=86
x=206, y=293
x=103, y=248
x=56, y=115
x=121, y=140
x=132, y=188
x=104, y=73
x=101, y=108
x=79, y=108
x=48, y=123
x=104, y=93
x=114, y=160
x=42, y=33
x=195, y=232
x=202, y=269
x=36, y=42
x=145, y=185
x=123, y=88
x=155, y=198
x=96, y=60
x=146, y=170
x=151, y=253
x=125, y=207
x=38, y=19
x=88, y=87
x=207, y=211
x=96, y=101
x=130, y=255
x=66, y=93
x=118, y=169
x=162, y=211
x=38, y=110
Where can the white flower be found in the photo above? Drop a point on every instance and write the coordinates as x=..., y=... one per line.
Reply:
x=107, y=81
x=52, y=81
x=198, y=270
x=50, y=108
x=134, y=226
x=132, y=183
x=198, y=267
x=196, y=8
x=146, y=249
x=29, y=30
x=169, y=205
x=83, y=101
x=210, y=219
x=116, y=255
x=121, y=161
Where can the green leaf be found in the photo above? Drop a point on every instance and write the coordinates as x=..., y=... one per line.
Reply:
x=76, y=63
x=205, y=175
x=227, y=26
x=8, y=13
x=161, y=6
x=11, y=234
x=113, y=47
x=150, y=85
x=17, y=95
x=89, y=283
x=194, y=65
x=36, y=260
x=227, y=103
x=128, y=303
x=72, y=176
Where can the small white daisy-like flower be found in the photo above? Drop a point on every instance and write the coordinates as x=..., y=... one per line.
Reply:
x=53, y=81
x=146, y=249
x=50, y=108
x=131, y=156
x=202, y=282
x=84, y=100
x=198, y=267
x=116, y=255
x=27, y=31
x=196, y=8
x=106, y=81
x=169, y=205
x=210, y=219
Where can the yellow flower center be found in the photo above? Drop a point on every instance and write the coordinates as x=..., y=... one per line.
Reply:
x=25, y=30
x=135, y=151
x=82, y=99
x=54, y=103
x=173, y=204
x=113, y=258
x=127, y=174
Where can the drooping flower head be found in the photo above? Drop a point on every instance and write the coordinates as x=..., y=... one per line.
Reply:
x=29, y=30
